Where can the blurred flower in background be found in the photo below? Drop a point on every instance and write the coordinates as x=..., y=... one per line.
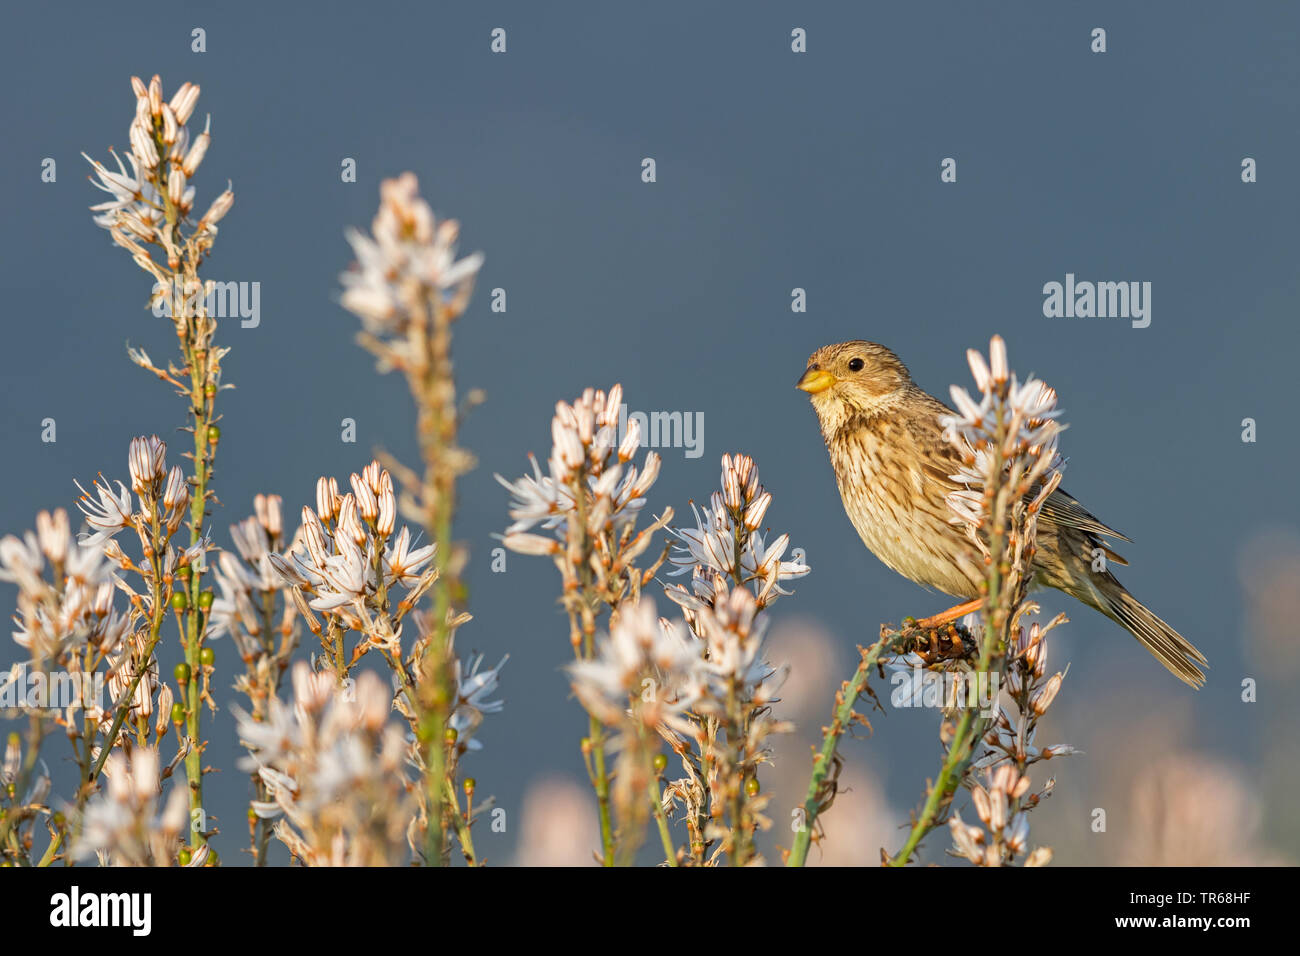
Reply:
x=1269, y=568
x=861, y=818
x=1191, y=809
x=1169, y=802
x=557, y=825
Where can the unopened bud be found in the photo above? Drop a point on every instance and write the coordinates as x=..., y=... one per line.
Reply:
x=183, y=102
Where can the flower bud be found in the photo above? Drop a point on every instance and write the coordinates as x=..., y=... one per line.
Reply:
x=757, y=508
x=267, y=508
x=387, y=506
x=176, y=186
x=524, y=543
x=183, y=102
x=349, y=524
x=145, y=461
x=143, y=148
x=53, y=533
x=220, y=206
x=1043, y=699
x=195, y=156
x=176, y=494
x=327, y=498
x=367, y=504
x=155, y=95
x=165, y=702
x=170, y=126
x=631, y=440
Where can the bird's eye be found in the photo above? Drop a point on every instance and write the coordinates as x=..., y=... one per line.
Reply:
x=855, y=365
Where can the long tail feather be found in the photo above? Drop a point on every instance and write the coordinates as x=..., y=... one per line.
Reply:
x=1169, y=647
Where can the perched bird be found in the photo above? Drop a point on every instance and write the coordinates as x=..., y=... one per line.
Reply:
x=892, y=464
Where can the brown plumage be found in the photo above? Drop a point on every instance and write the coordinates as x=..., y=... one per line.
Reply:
x=892, y=465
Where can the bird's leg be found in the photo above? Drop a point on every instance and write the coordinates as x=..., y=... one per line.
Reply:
x=950, y=615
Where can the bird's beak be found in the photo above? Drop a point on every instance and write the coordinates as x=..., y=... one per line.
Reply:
x=816, y=380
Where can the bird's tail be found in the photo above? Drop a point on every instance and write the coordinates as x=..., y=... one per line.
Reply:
x=1170, y=648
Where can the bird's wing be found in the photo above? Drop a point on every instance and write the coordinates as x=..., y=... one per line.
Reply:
x=1061, y=508
x=943, y=460
x=939, y=459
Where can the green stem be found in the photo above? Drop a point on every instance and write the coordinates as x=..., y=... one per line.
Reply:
x=201, y=409
x=461, y=824
x=971, y=728
x=56, y=841
x=661, y=819
x=155, y=633
x=739, y=855
x=586, y=602
x=433, y=386
x=841, y=719
x=600, y=783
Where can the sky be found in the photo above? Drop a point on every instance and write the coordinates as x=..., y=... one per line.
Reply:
x=774, y=171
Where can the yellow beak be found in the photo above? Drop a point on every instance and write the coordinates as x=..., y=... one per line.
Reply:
x=816, y=380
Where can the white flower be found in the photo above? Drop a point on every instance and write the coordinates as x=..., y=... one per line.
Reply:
x=404, y=565
x=537, y=499
x=472, y=690
x=733, y=630
x=109, y=514
x=161, y=164
x=136, y=204
x=724, y=541
x=21, y=561
x=123, y=825
x=583, y=450
x=643, y=661
x=332, y=767
x=344, y=576
x=710, y=544
x=1021, y=417
x=409, y=256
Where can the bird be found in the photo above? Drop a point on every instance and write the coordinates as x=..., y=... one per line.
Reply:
x=893, y=466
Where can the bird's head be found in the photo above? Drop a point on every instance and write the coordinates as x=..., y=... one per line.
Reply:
x=853, y=378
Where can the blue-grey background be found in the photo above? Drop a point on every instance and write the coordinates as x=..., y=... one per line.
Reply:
x=775, y=170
